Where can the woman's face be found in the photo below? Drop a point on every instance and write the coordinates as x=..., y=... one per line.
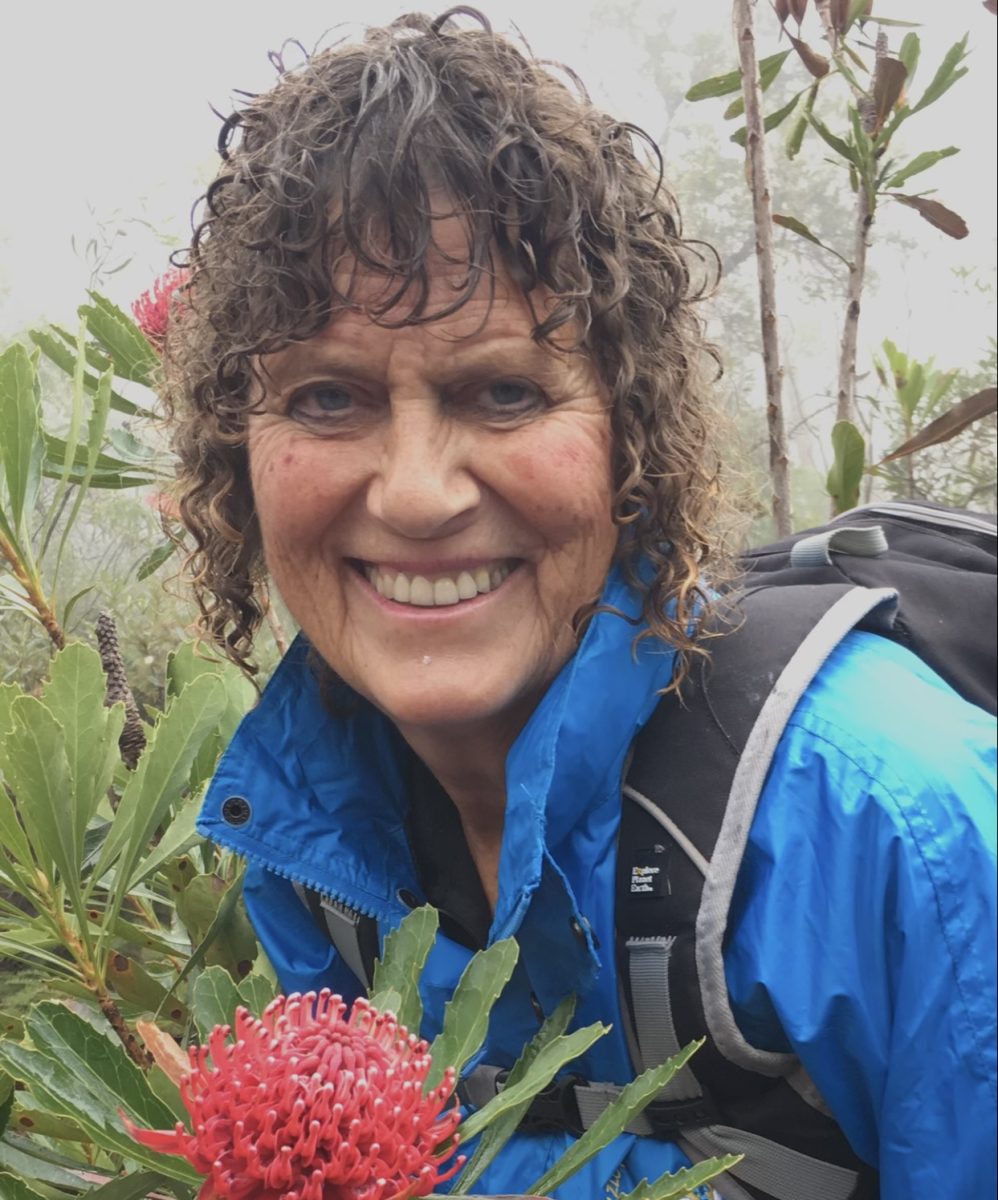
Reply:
x=435, y=503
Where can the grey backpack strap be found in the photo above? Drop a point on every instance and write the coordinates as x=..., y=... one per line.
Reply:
x=696, y=775
x=354, y=936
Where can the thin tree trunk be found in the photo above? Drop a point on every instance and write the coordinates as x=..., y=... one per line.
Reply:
x=762, y=212
x=845, y=408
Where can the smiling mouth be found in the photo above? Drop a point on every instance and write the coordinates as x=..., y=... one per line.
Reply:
x=442, y=591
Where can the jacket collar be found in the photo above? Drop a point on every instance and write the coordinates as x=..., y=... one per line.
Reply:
x=324, y=797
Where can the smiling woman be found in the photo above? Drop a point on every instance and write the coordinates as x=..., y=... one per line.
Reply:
x=440, y=373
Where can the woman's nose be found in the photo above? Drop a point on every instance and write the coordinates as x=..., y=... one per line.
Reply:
x=424, y=487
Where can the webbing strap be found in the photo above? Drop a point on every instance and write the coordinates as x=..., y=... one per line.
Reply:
x=868, y=541
x=342, y=924
x=651, y=1006
x=773, y=1168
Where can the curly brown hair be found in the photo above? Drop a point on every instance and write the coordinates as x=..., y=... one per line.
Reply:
x=339, y=159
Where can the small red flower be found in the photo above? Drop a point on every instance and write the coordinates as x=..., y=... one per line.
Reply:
x=152, y=310
x=304, y=1105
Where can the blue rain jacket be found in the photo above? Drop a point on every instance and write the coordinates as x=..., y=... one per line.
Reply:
x=861, y=934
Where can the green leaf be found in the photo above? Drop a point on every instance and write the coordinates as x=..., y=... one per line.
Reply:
x=63, y=358
x=921, y=162
x=152, y=562
x=846, y=472
x=222, y=916
x=198, y=906
x=255, y=992
x=684, y=1183
x=405, y=953
x=770, y=122
x=121, y=339
x=499, y=1132
x=909, y=54
x=795, y=137
x=21, y=445
x=76, y=1072
x=949, y=72
x=614, y=1120
x=215, y=1000
x=75, y=696
x=549, y=1061
x=134, y=1186
x=180, y=836
x=731, y=81
x=12, y=1188
x=914, y=386
x=466, y=1014
x=29, y=1160
x=842, y=148
x=33, y=759
x=162, y=772
x=802, y=230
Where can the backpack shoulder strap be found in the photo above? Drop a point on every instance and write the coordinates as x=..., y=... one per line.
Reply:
x=694, y=782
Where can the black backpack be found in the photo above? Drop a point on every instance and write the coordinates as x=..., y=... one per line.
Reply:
x=918, y=573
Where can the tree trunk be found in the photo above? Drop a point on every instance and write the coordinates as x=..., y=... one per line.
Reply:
x=762, y=212
x=845, y=408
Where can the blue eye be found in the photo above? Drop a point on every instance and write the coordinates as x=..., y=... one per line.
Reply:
x=320, y=401
x=511, y=396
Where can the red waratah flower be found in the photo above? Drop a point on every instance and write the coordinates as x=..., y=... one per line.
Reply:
x=152, y=310
x=304, y=1105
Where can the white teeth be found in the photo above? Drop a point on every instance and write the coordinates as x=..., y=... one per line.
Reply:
x=443, y=592
x=421, y=592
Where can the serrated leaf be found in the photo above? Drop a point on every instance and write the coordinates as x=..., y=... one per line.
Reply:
x=215, y=1000
x=466, y=1014
x=540, y=1072
x=731, y=81
x=200, y=952
x=121, y=339
x=500, y=1131
x=180, y=836
x=683, y=1184
x=75, y=1071
x=405, y=953
x=75, y=696
x=63, y=358
x=162, y=772
x=255, y=992
x=948, y=73
x=21, y=444
x=846, y=473
x=33, y=760
x=951, y=223
x=612, y=1122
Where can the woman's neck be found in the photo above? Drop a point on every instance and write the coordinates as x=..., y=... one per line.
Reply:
x=470, y=765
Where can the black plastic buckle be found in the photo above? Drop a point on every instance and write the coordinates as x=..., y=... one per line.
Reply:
x=555, y=1109
x=668, y=1118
